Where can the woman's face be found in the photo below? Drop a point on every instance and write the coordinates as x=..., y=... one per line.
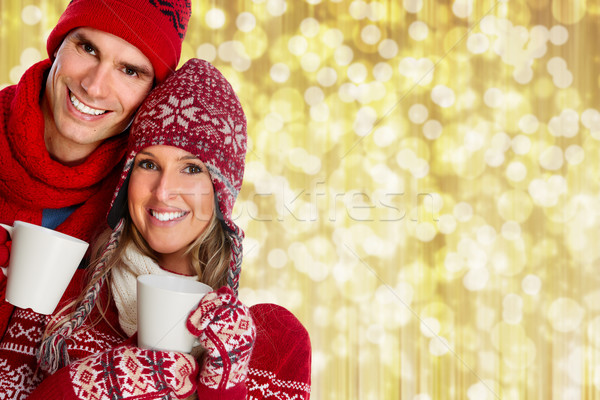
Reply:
x=171, y=202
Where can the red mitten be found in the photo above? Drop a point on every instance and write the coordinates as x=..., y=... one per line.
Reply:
x=5, y=244
x=226, y=329
x=123, y=372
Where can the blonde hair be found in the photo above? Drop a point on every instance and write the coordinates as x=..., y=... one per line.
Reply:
x=210, y=256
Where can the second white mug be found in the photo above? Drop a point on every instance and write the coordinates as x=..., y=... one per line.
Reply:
x=164, y=304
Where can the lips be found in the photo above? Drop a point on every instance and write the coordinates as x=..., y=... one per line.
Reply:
x=168, y=216
x=82, y=108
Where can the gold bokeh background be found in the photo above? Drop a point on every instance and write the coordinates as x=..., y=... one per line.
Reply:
x=421, y=186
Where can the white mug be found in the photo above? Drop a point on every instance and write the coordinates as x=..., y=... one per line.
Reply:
x=42, y=263
x=164, y=303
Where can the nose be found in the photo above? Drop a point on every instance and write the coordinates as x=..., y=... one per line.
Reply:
x=166, y=188
x=97, y=81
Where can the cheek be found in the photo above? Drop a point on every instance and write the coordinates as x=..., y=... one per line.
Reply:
x=204, y=200
x=132, y=95
x=136, y=193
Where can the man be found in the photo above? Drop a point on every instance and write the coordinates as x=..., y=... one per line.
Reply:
x=62, y=126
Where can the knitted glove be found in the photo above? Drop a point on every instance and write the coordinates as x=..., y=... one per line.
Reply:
x=5, y=244
x=226, y=329
x=123, y=372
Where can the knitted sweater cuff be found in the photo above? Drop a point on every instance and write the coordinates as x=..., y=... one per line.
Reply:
x=237, y=392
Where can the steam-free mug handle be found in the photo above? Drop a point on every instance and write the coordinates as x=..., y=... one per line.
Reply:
x=9, y=229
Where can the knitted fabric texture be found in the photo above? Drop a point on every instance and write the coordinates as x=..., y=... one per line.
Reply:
x=196, y=110
x=156, y=27
x=124, y=285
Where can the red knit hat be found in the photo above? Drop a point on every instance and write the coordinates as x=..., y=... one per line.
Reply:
x=196, y=110
x=155, y=27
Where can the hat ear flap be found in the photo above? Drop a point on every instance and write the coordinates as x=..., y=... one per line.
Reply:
x=117, y=210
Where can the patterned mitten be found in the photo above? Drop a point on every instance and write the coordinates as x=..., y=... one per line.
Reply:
x=123, y=372
x=5, y=243
x=226, y=329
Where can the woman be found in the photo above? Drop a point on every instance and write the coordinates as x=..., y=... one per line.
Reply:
x=171, y=214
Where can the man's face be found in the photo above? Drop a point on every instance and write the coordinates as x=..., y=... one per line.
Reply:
x=94, y=87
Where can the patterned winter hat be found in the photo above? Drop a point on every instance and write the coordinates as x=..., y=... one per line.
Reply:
x=196, y=110
x=155, y=27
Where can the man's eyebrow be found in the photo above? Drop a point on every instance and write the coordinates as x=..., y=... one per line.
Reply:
x=140, y=69
x=78, y=36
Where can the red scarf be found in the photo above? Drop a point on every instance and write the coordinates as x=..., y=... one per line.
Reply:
x=30, y=181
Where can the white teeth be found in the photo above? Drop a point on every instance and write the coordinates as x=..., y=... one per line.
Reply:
x=83, y=108
x=167, y=216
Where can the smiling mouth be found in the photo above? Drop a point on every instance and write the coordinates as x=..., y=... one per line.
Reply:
x=167, y=216
x=82, y=108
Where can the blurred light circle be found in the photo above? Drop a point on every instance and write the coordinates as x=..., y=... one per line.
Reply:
x=314, y=95
x=327, y=76
x=412, y=6
x=277, y=258
x=297, y=45
x=463, y=211
x=245, y=21
x=31, y=15
x=551, y=158
x=343, y=55
x=276, y=7
x=418, y=113
x=565, y=314
x=206, y=51
x=370, y=34
x=215, y=18
x=478, y=43
x=531, y=284
x=418, y=31
x=280, y=72
x=357, y=72
x=574, y=154
x=333, y=38
x=443, y=96
x=310, y=62
x=309, y=27
x=383, y=72
x=432, y=129
x=388, y=48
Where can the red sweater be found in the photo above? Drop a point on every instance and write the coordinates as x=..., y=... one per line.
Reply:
x=279, y=366
x=30, y=181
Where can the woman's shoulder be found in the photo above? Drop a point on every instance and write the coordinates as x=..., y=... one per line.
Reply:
x=277, y=318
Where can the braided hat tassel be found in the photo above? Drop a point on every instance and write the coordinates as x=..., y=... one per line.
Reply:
x=52, y=354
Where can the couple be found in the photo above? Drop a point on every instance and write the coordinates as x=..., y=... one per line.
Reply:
x=170, y=214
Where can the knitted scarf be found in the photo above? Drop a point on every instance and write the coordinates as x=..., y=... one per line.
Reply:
x=30, y=181
x=124, y=285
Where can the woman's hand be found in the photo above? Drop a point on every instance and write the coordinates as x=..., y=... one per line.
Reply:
x=123, y=372
x=225, y=328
